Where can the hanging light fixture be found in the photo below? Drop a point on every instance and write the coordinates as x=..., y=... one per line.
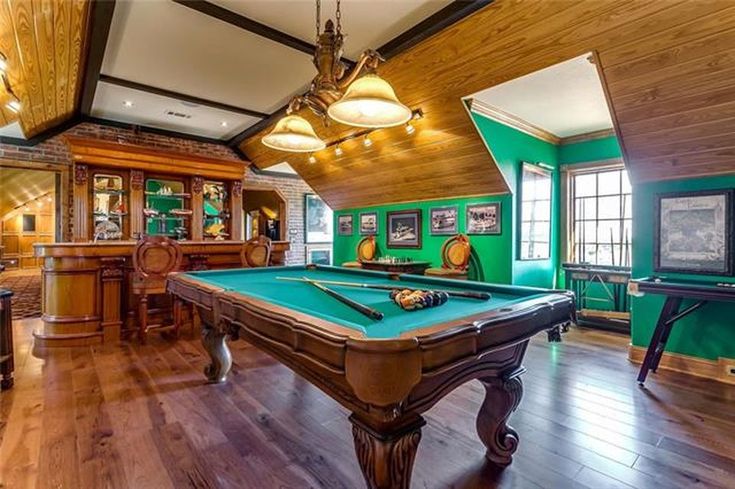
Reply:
x=357, y=98
x=13, y=103
x=294, y=133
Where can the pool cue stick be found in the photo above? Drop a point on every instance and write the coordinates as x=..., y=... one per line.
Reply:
x=363, y=309
x=483, y=296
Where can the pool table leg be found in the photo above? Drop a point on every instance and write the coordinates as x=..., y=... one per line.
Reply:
x=502, y=396
x=214, y=342
x=386, y=455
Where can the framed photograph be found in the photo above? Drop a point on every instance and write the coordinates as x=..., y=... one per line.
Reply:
x=319, y=254
x=404, y=229
x=344, y=225
x=368, y=223
x=444, y=220
x=318, y=220
x=483, y=218
x=694, y=232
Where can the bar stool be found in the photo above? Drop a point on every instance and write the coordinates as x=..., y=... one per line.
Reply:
x=154, y=258
x=366, y=251
x=456, y=252
x=256, y=252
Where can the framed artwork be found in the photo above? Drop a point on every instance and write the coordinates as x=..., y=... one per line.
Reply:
x=694, y=232
x=318, y=220
x=404, y=229
x=444, y=220
x=319, y=254
x=344, y=225
x=368, y=223
x=483, y=218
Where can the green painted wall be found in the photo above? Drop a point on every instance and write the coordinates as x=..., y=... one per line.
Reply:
x=707, y=333
x=586, y=151
x=493, y=251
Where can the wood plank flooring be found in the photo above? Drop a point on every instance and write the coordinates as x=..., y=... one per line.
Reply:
x=141, y=417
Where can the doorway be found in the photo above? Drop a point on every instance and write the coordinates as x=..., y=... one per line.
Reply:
x=265, y=213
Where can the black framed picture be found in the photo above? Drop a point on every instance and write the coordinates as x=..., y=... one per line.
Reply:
x=368, y=223
x=318, y=220
x=694, y=232
x=404, y=229
x=29, y=223
x=344, y=225
x=444, y=220
x=484, y=218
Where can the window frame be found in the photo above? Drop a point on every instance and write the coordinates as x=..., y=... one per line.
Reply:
x=542, y=170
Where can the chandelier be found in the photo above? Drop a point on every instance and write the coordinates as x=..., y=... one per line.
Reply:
x=357, y=98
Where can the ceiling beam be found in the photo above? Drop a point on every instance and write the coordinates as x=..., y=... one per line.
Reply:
x=99, y=31
x=248, y=24
x=180, y=96
x=452, y=13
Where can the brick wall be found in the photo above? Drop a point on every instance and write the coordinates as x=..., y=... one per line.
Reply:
x=55, y=150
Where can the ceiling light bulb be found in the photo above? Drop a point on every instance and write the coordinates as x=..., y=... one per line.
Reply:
x=370, y=102
x=293, y=133
x=27, y=209
x=410, y=129
x=223, y=123
x=338, y=150
x=312, y=159
x=128, y=103
x=13, y=104
x=367, y=142
x=48, y=199
x=3, y=64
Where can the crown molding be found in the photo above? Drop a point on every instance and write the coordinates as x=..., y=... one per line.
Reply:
x=588, y=136
x=513, y=121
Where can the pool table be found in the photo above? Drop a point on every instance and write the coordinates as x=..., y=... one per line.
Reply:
x=387, y=372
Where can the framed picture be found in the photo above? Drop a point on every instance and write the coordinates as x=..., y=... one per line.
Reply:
x=404, y=229
x=694, y=232
x=344, y=225
x=483, y=218
x=318, y=220
x=444, y=220
x=368, y=223
x=319, y=254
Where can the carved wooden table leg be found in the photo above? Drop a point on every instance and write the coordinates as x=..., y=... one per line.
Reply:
x=502, y=396
x=214, y=341
x=386, y=459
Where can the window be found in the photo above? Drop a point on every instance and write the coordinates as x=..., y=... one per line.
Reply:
x=601, y=217
x=535, y=213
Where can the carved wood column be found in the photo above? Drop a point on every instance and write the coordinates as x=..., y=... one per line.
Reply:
x=137, y=203
x=113, y=273
x=197, y=207
x=236, y=211
x=81, y=231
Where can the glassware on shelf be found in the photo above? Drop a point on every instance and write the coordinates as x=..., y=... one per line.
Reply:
x=110, y=209
x=165, y=211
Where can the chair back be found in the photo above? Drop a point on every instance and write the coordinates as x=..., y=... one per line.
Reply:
x=256, y=252
x=155, y=257
x=456, y=253
x=366, y=249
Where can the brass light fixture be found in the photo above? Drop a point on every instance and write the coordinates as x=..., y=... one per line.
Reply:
x=13, y=103
x=359, y=98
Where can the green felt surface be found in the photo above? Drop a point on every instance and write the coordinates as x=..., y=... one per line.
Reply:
x=261, y=283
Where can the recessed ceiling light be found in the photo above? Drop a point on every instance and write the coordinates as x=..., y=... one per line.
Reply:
x=128, y=103
x=223, y=123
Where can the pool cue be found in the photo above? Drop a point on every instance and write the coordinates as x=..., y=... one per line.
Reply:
x=367, y=311
x=483, y=296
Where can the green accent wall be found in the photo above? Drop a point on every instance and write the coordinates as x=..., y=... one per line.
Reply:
x=707, y=333
x=586, y=151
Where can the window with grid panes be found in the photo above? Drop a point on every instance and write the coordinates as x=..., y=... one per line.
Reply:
x=601, y=217
x=535, y=213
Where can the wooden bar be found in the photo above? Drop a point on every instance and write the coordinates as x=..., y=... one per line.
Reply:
x=86, y=295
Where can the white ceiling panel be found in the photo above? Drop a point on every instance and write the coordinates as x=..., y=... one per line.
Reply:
x=151, y=110
x=166, y=45
x=566, y=99
x=366, y=23
x=12, y=130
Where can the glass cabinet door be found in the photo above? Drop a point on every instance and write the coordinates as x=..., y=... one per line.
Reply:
x=109, y=207
x=216, y=216
x=166, y=211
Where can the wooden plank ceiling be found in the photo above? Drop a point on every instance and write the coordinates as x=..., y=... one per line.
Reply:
x=44, y=41
x=669, y=67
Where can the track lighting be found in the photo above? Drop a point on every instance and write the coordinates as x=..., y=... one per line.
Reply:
x=312, y=159
x=367, y=142
x=338, y=150
x=410, y=129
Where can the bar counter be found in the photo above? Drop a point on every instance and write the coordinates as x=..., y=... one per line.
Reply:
x=86, y=295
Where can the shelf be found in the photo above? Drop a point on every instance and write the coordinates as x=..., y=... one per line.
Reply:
x=167, y=196
x=109, y=192
x=111, y=214
x=167, y=218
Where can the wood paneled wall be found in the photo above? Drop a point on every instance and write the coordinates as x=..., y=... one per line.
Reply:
x=668, y=66
x=18, y=243
x=44, y=41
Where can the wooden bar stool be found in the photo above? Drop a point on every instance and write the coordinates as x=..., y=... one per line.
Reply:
x=456, y=252
x=366, y=251
x=256, y=252
x=154, y=258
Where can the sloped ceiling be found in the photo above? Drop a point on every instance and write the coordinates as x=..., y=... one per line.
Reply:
x=18, y=186
x=668, y=69
x=45, y=45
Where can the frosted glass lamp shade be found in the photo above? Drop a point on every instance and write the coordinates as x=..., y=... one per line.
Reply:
x=293, y=133
x=369, y=102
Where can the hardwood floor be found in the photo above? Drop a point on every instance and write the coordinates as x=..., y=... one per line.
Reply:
x=141, y=417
